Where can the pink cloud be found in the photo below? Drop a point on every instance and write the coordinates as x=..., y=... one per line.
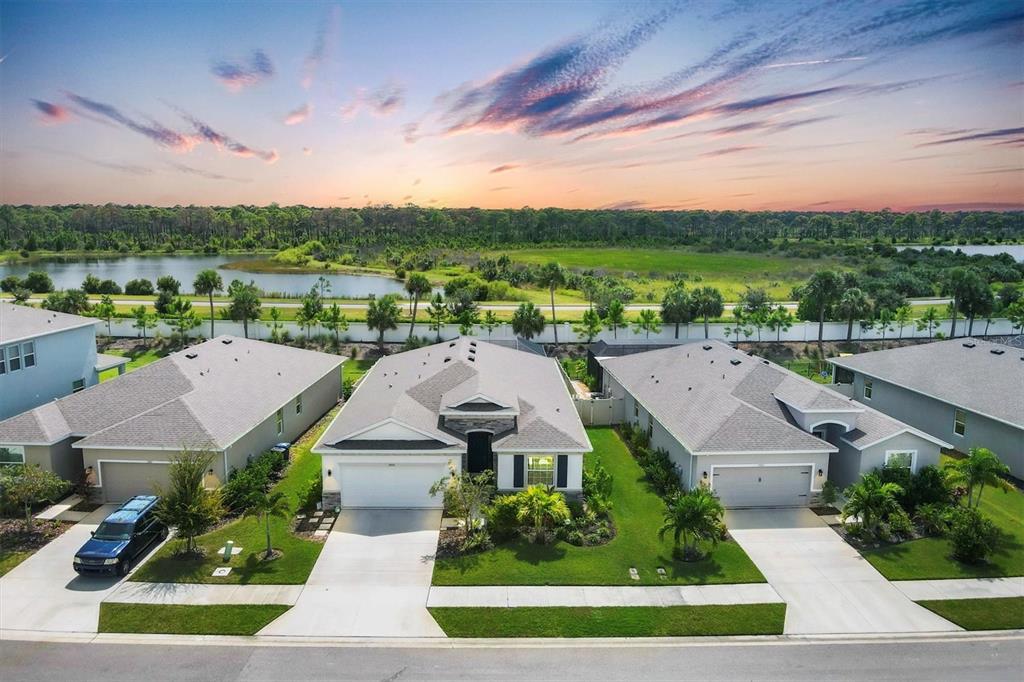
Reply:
x=51, y=114
x=299, y=115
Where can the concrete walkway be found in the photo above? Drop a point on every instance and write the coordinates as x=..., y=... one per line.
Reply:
x=371, y=580
x=964, y=588
x=676, y=595
x=828, y=587
x=196, y=594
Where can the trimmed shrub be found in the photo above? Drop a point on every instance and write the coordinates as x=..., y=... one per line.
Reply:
x=933, y=518
x=973, y=535
x=501, y=515
x=257, y=476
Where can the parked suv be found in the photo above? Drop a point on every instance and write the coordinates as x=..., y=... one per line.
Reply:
x=122, y=537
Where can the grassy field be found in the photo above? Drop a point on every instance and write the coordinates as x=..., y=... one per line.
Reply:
x=613, y=621
x=637, y=514
x=248, y=567
x=930, y=558
x=1005, y=613
x=138, y=359
x=8, y=560
x=222, y=619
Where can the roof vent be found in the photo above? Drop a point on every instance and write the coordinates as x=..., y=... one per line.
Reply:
x=765, y=362
x=472, y=358
x=997, y=351
x=735, y=361
x=473, y=343
x=451, y=345
x=226, y=342
x=448, y=359
x=191, y=356
x=969, y=345
x=707, y=346
x=689, y=388
x=472, y=351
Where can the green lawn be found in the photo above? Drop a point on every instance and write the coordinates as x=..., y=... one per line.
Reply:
x=612, y=621
x=223, y=619
x=1004, y=613
x=8, y=560
x=355, y=369
x=637, y=514
x=930, y=558
x=299, y=554
x=137, y=359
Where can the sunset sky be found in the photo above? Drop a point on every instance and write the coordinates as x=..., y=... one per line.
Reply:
x=727, y=104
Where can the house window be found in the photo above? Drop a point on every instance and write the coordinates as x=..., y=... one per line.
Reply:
x=280, y=422
x=298, y=404
x=12, y=454
x=636, y=409
x=867, y=389
x=959, y=422
x=3, y=361
x=77, y=385
x=28, y=354
x=540, y=470
x=650, y=426
x=901, y=458
x=14, y=358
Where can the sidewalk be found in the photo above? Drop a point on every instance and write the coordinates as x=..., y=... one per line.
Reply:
x=963, y=588
x=689, y=595
x=196, y=594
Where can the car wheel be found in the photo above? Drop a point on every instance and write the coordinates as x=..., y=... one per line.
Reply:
x=123, y=567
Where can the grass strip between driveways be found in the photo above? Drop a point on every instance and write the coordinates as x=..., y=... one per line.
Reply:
x=637, y=513
x=8, y=560
x=611, y=621
x=299, y=554
x=174, y=619
x=998, y=613
x=931, y=558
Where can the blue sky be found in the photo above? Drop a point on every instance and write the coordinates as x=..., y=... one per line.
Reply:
x=729, y=104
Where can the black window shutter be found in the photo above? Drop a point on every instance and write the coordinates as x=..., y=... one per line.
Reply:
x=517, y=471
x=563, y=471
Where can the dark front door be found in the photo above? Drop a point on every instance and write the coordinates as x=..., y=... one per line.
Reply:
x=480, y=458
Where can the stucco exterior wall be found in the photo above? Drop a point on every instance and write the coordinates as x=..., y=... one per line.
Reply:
x=936, y=418
x=574, y=478
x=316, y=401
x=61, y=358
x=849, y=464
x=60, y=458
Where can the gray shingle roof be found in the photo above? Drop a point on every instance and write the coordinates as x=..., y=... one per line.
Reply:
x=973, y=378
x=209, y=400
x=19, y=322
x=715, y=399
x=411, y=388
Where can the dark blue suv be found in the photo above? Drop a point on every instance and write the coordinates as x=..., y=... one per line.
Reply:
x=122, y=537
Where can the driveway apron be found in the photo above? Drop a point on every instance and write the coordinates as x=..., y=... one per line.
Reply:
x=827, y=585
x=372, y=578
x=43, y=593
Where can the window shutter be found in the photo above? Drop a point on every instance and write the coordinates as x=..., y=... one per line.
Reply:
x=518, y=464
x=562, y=471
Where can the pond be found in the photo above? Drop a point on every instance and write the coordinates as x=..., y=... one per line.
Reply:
x=68, y=273
x=1015, y=250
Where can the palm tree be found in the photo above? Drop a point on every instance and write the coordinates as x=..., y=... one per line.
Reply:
x=615, y=317
x=979, y=468
x=822, y=291
x=438, y=314
x=929, y=320
x=382, y=314
x=854, y=303
x=490, y=322
x=185, y=319
x=589, y=326
x=543, y=506
x=263, y=506
x=955, y=284
x=904, y=314
x=245, y=303
x=552, y=276
x=693, y=516
x=871, y=500
x=527, y=320
x=676, y=307
x=206, y=283
x=707, y=303
x=416, y=285
x=885, y=318
x=780, y=320
x=648, y=321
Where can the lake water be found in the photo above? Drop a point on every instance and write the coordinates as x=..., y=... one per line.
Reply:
x=1015, y=250
x=68, y=274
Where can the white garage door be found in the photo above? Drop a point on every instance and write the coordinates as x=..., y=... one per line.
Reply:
x=398, y=486
x=782, y=486
x=124, y=480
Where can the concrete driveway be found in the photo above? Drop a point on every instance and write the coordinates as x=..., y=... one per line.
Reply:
x=827, y=585
x=44, y=593
x=372, y=578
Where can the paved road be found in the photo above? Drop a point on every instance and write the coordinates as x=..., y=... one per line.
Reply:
x=983, y=658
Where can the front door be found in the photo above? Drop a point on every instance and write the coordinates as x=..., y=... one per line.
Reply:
x=479, y=456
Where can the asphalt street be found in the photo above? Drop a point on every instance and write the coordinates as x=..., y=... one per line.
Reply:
x=989, y=658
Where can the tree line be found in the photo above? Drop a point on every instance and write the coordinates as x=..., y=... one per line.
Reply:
x=128, y=229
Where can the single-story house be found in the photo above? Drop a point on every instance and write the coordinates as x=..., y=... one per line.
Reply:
x=601, y=350
x=463, y=405
x=232, y=396
x=967, y=391
x=46, y=355
x=752, y=431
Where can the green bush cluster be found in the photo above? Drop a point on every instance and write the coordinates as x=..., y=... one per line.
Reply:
x=659, y=469
x=257, y=477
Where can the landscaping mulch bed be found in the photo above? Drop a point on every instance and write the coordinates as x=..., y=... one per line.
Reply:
x=13, y=537
x=825, y=510
x=449, y=542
